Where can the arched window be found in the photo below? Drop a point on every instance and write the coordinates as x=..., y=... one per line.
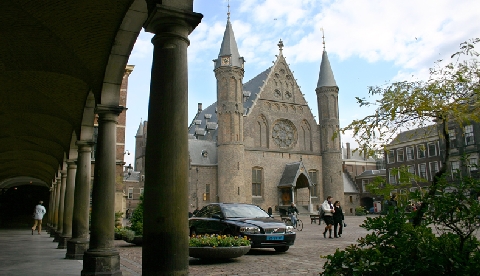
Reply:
x=257, y=181
x=306, y=139
x=261, y=130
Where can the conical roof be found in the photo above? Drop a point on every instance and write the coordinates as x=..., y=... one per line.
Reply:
x=229, y=48
x=325, y=77
x=140, y=129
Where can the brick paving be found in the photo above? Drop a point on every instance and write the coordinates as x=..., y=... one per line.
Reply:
x=301, y=259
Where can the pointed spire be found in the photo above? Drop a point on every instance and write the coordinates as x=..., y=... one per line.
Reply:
x=325, y=77
x=140, y=129
x=229, y=55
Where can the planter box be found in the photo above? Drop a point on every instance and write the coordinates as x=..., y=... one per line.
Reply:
x=218, y=252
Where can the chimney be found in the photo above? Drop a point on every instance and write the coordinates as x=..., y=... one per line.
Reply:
x=200, y=107
x=348, y=151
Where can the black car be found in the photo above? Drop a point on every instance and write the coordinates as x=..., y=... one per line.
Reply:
x=239, y=219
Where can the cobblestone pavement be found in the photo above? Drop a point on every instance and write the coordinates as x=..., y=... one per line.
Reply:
x=301, y=259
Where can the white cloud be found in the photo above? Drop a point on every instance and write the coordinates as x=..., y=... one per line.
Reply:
x=409, y=33
x=143, y=47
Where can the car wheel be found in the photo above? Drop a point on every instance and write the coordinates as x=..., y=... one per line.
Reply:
x=192, y=232
x=282, y=248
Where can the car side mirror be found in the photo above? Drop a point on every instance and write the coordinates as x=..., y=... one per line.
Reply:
x=216, y=216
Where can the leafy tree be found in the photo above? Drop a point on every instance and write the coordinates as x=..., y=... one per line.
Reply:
x=444, y=244
x=450, y=95
x=137, y=219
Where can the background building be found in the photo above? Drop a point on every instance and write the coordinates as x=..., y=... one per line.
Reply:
x=260, y=143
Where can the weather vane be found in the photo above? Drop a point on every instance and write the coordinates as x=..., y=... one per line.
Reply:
x=228, y=10
x=323, y=38
x=280, y=45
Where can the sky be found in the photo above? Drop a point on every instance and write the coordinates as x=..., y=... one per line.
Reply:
x=369, y=43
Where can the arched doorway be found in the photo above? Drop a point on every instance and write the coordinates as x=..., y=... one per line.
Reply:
x=17, y=204
x=294, y=186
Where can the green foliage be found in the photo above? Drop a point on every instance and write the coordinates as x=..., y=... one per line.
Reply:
x=118, y=218
x=137, y=219
x=455, y=208
x=118, y=232
x=396, y=247
x=118, y=215
x=128, y=235
x=382, y=189
x=218, y=241
x=360, y=211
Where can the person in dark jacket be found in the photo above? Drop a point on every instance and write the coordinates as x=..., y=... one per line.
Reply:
x=338, y=219
x=291, y=212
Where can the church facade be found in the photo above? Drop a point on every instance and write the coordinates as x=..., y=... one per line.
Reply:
x=260, y=143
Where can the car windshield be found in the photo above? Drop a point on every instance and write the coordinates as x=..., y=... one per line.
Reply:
x=243, y=211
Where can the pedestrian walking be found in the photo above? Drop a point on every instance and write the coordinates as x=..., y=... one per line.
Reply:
x=328, y=208
x=38, y=214
x=338, y=218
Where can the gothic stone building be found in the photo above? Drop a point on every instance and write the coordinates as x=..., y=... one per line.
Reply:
x=260, y=143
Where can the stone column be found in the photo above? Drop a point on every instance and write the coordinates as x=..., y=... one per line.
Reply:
x=61, y=203
x=102, y=258
x=78, y=244
x=165, y=231
x=57, y=206
x=68, y=204
x=50, y=207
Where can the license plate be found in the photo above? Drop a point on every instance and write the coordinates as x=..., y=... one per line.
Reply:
x=274, y=238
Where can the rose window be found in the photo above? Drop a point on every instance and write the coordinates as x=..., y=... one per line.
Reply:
x=284, y=134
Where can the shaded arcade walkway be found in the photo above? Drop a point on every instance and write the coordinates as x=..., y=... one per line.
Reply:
x=22, y=253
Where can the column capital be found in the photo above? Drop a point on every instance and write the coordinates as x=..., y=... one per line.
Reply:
x=172, y=21
x=63, y=174
x=85, y=145
x=109, y=109
x=71, y=163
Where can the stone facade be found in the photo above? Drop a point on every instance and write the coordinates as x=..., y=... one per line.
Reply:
x=260, y=143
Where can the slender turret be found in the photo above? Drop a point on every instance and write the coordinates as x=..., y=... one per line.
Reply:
x=229, y=74
x=328, y=114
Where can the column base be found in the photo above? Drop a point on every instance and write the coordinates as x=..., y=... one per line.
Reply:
x=52, y=232
x=76, y=249
x=57, y=237
x=62, y=244
x=101, y=262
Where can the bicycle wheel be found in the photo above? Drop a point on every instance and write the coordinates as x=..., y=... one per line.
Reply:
x=299, y=225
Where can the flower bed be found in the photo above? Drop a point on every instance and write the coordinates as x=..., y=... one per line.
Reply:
x=217, y=241
x=218, y=247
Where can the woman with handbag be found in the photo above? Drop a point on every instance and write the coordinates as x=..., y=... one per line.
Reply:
x=338, y=220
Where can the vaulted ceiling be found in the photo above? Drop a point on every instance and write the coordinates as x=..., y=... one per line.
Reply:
x=53, y=55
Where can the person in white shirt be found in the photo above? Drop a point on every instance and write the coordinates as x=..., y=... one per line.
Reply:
x=38, y=214
x=328, y=210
